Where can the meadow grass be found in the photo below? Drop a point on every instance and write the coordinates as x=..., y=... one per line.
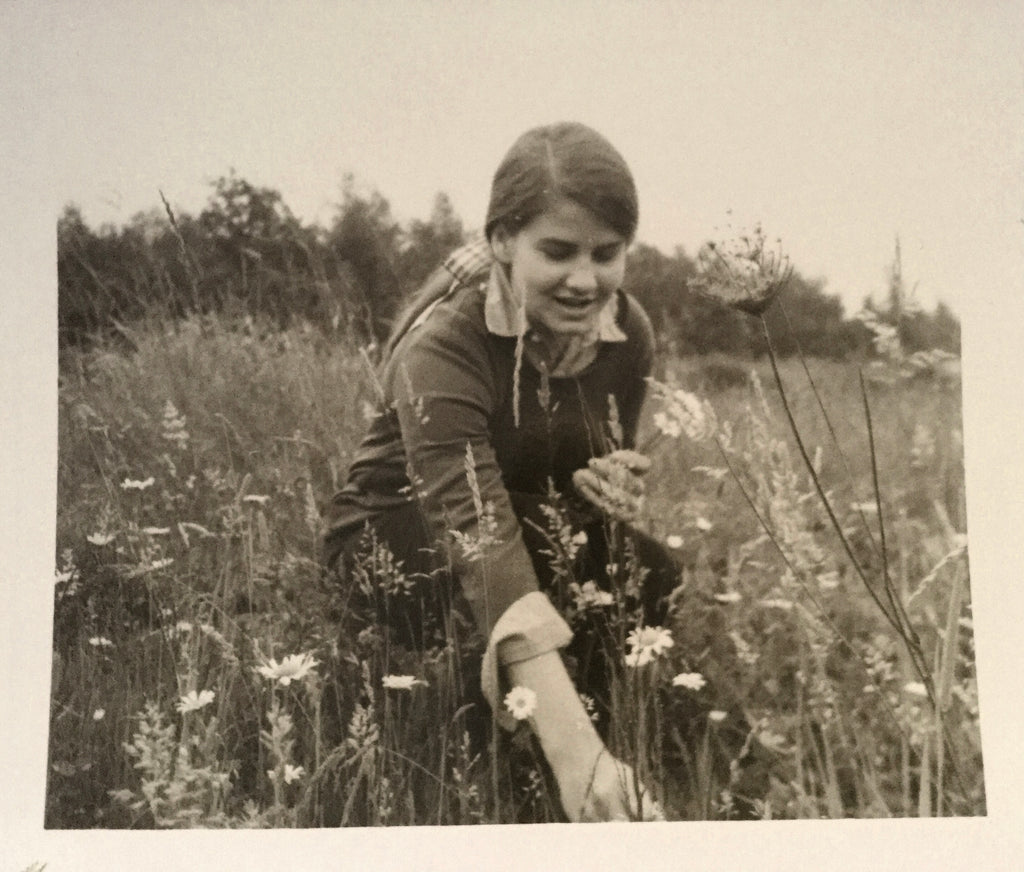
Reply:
x=206, y=674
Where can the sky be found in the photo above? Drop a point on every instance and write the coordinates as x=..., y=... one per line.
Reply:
x=838, y=126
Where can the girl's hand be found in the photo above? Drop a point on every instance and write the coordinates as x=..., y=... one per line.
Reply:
x=614, y=483
x=592, y=784
x=609, y=792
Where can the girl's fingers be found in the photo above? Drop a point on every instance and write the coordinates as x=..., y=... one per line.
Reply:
x=617, y=475
x=588, y=484
x=634, y=461
x=619, y=506
x=614, y=795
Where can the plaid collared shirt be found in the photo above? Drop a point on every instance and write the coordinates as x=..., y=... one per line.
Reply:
x=470, y=260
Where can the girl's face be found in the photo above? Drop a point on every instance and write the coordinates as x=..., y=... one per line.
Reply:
x=566, y=264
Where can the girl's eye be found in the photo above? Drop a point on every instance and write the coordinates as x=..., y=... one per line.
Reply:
x=607, y=253
x=558, y=251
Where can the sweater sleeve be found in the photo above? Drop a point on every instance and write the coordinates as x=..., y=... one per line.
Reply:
x=443, y=385
x=529, y=627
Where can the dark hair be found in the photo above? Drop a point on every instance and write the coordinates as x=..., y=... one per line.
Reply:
x=570, y=160
x=566, y=159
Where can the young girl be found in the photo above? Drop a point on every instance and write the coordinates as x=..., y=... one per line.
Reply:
x=519, y=369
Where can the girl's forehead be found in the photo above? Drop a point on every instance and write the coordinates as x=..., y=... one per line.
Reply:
x=566, y=219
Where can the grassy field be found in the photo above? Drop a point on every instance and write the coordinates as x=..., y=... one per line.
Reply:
x=202, y=675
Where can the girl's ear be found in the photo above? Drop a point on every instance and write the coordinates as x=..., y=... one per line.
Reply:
x=502, y=244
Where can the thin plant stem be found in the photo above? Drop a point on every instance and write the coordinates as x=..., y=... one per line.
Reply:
x=826, y=502
x=893, y=620
x=909, y=634
x=827, y=419
x=797, y=576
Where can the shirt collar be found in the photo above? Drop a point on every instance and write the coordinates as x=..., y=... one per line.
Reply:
x=502, y=312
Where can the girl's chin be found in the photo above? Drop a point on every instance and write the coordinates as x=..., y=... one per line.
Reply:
x=570, y=327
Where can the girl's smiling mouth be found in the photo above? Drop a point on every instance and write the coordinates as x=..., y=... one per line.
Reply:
x=574, y=303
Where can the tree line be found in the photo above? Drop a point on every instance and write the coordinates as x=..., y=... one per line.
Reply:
x=246, y=255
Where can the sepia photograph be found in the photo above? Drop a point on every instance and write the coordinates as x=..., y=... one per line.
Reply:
x=443, y=416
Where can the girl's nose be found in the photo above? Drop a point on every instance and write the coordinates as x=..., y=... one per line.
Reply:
x=582, y=277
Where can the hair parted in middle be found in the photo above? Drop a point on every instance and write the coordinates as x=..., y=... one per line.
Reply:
x=566, y=159
x=570, y=160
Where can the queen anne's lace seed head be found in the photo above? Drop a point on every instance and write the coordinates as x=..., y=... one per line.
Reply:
x=742, y=272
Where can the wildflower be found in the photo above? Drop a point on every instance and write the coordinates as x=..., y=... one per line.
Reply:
x=612, y=483
x=682, y=412
x=401, y=682
x=313, y=519
x=63, y=576
x=674, y=541
x=580, y=539
x=590, y=706
x=192, y=701
x=773, y=741
x=689, y=680
x=741, y=272
x=99, y=714
x=100, y=642
x=174, y=426
x=590, y=596
x=668, y=426
x=731, y=596
x=185, y=526
x=294, y=667
x=829, y=580
x=291, y=773
x=646, y=643
x=715, y=473
x=716, y=716
x=100, y=539
x=744, y=650
x=703, y=524
x=474, y=547
x=133, y=484
x=916, y=688
x=783, y=604
x=922, y=448
x=159, y=564
x=521, y=702
x=369, y=411
x=885, y=338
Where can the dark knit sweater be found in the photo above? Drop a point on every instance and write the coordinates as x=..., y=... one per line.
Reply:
x=449, y=384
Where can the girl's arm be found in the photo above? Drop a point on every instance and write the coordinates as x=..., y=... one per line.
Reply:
x=593, y=785
x=442, y=382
